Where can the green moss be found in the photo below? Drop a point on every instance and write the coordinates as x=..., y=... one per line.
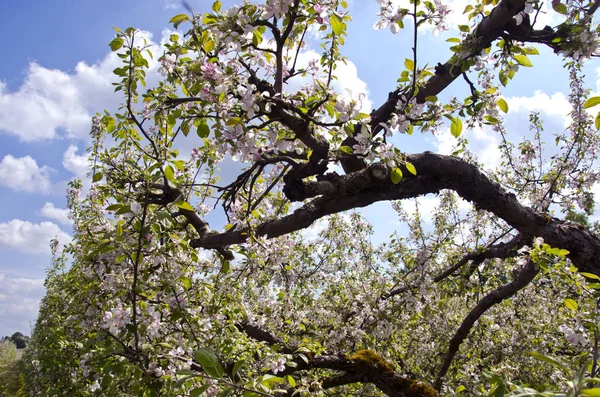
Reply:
x=373, y=364
x=371, y=360
x=421, y=389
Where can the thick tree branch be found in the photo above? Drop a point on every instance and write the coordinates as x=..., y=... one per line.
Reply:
x=526, y=275
x=500, y=250
x=363, y=366
x=435, y=173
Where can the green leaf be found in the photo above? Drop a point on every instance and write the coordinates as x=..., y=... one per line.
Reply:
x=551, y=360
x=336, y=24
x=169, y=173
x=503, y=78
x=268, y=380
x=560, y=8
x=210, y=363
x=199, y=391
x=236, y=367
x=225, y=266
x=411, y=168
x=591, y=392
x=409, y=64
x=109, y=123
x=256, y=37
x=396, y=175
x=460, y=388
x=216, y=6
x=346, y=149
x=97, y=176
x=590, y=275
x=179, y=164
x=591, y=102
x=178, y=20
x=456, y=127
x=531, y=51
x=502, y=105
x=203, y=129
x=184, y=205
x=116, y=44
x=523, y=60
x=571, y=304
x=187, y=283
x=187, y=372
x=597, y=121
x=291, y=380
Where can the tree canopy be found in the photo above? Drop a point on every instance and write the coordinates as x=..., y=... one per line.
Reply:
x=496, y=297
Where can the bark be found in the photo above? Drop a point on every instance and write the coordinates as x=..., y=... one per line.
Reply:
x=364, y=366
x=489, y=29
x=434, y=173
x=525, y=276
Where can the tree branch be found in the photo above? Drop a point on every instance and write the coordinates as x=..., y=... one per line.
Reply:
x=526, y=275
x=488, y=30
x=435, y=173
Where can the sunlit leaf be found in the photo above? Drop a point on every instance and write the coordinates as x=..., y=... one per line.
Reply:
x=396, y=175
x=591, y=102
x=502, y=105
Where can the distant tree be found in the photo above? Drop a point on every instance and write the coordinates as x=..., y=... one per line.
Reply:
x=19, y=340
x=11, y=371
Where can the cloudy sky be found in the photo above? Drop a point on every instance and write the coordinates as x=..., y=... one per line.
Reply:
x=56, y=73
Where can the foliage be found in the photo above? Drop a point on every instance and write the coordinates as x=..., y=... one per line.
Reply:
x=148, y=301
x=11, y=371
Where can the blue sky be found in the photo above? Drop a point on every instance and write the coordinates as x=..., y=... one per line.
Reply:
x=56, y=73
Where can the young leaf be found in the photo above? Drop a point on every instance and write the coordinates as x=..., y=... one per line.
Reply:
x=169, y=173
x=502, y=105
x=203, y=129
x=551, y=360
x=590, y=275
x=591, y=102
x=591, y=392
x=199, y=391
x=210, y=363
x=116, y=44
x=336, y=25
x=236, y=367
x=411, y=168
x=178, y=20
x=346, y=149
x=523, y=60
x=571, y=304
x=409, y=64
x=456, y=127
x=184, y=205
x=97, y=176
x=396, y=175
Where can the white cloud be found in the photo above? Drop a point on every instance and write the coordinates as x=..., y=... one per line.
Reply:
x=46, y=101
x=555, y=105
x=483, y=143
x=51, y=100
x=347, y=80
x=78, y=165
x=172, y=4
x=31, y=238
x=58, y=214
x=23, y=174
x=19, y=302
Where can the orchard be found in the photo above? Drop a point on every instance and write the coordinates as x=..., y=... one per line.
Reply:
x=498, y=296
